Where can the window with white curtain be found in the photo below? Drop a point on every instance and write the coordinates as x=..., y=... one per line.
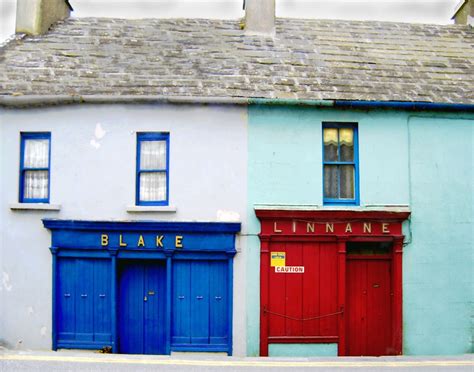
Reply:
x=340, y=163
x=152, y=169
x=35, y=167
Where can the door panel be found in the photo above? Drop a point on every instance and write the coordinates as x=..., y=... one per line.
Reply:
x=154, y=309
x=294, y=294
x=369, y=323
x=83, y=302
x=218, y=303
x=131, y=309
x=199, y=303
x=101, y=297
x=66, y=293
x=142, y=308
x=357, y=307
x=379, y=324
x=181, y=326
x=293, y=297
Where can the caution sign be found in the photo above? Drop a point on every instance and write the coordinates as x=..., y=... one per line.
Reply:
x=290, y=269
x=277, y=259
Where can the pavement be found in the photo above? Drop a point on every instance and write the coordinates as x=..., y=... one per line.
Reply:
x=74, y=360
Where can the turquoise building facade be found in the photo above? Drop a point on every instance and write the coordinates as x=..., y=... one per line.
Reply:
x=420, y=160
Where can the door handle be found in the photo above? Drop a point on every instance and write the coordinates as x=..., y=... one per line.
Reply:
x=84, y=295
x=67, y=295
x=102, y=295
x=180, y=297
x=218, y=298
x=145, y=298
x=199, y=297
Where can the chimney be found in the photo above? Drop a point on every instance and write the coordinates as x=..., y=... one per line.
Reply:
x=35, y=17
x=260, y=17
x=464, y=13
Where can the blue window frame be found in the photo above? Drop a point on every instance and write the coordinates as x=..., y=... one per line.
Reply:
x=35, y=164
x=152, y=169
x=340, y=164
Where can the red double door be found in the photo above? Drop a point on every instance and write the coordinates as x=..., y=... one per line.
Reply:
x=369, y=307
x=314, y=305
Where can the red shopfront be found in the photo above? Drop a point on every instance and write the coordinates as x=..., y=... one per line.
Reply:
x=332, y=277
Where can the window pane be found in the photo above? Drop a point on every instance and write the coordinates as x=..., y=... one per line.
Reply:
x=152, y=155
x=330, y=144
x=347, y=181
x=35, y=185
x=36, y=153
x=346, y=143
x=153, y=186
x=330, y=181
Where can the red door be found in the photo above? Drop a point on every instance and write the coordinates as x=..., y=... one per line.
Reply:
x=369, y=307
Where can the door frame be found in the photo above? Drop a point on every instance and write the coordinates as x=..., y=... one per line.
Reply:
x=140, y=240
x=124, y=264
x=290, y=225
x=389, y=258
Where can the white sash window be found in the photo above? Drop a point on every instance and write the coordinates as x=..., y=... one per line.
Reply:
x=35, y=167
x=152, y=168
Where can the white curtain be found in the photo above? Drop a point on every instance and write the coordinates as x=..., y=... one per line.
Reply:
x=35, y=185
x=36, y=153
x=347, y=181
x=36, y=181
x=153, y=186
x=153, y=157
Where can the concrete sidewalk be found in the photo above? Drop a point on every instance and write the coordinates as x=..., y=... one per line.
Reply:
x=221, y=360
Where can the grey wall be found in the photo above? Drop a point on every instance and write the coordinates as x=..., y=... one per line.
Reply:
x=93, y=154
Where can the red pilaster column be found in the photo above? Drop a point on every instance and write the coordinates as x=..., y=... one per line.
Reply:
x=397, y=295
x=341, y=295
x=264, y=278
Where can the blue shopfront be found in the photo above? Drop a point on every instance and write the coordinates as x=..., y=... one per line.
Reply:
x=142, y=287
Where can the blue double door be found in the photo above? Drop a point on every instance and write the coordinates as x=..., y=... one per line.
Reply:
x=142, y=300
x=83, y=293
x=200, y=306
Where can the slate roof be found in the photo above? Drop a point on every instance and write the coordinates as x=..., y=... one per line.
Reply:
x=307, y=60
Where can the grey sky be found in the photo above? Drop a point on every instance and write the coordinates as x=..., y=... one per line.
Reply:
x=420, y=11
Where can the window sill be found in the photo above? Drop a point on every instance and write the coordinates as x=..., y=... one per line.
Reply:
x=151, y=208
x=35, y=207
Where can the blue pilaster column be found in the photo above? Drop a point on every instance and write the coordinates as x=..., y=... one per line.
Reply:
x=230, y=291
x=114, y=298
x=169, y=271
x=54, y=252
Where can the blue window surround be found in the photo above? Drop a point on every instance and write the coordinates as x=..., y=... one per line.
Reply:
x=152, y=136
x=32, y=136
x=355, y=163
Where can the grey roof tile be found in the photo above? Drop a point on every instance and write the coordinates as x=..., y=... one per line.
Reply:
x=307, y=59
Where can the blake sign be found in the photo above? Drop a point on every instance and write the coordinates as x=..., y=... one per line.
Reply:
x=141, y=240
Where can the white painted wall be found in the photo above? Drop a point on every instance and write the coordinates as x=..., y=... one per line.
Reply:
x=93, y=177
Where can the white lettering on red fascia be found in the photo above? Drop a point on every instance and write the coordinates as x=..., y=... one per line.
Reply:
x=329, y=227
x=289, y=269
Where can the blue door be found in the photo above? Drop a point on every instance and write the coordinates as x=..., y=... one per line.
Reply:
x=83, y=303
x=200, y=306
x=142, y=307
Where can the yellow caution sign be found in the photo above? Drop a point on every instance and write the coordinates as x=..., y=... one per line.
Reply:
x=277, y=259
